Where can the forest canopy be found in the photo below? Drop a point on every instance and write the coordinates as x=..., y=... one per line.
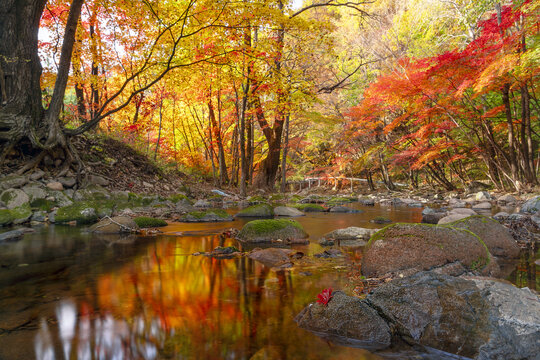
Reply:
x=253, y=93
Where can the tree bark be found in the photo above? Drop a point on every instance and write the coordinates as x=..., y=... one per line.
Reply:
x=21, y=109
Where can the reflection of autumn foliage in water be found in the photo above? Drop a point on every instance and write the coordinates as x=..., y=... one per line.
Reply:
x=165, y=304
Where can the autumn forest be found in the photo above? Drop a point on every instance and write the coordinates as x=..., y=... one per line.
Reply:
x=253, y=94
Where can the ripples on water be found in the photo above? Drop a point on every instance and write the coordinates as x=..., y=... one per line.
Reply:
x=78, y=296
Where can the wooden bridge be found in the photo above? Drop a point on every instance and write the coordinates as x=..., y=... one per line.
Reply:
x=335, y=181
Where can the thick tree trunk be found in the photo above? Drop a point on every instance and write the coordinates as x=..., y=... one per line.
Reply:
x=21, y=109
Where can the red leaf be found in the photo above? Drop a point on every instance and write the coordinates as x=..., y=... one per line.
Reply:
x=325, y=296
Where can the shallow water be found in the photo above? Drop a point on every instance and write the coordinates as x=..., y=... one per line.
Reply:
x=68, y=294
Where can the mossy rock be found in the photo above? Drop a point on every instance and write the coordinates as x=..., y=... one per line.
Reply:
x=214, y=215
x=14, y=198
x=21, y=214
x=259, y=210
x=61, y=199
x=417, y=247
x=310, y=207
x=295, y=198
x=81, y=212
x=497, y=237
x=5, y=217
x=270, y=230
x=149, y=222
x=277, y=198
x=339, y=200
x=42, y=204
x=257, y=199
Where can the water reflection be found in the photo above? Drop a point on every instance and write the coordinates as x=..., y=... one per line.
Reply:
x=164, y=304
x=77, y=296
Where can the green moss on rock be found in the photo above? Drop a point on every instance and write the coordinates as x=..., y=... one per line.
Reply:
x=5, y=217
x=259, y=210
x=42, y=204
x=273, y=229
x=310, y=207
x=21, y=214
x=148, y=222
x=403, y=246
x=81, y=212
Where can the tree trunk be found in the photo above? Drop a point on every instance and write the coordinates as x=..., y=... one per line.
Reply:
x=216, y=130
x=21, y=109
x=284, y=156
x=56, y=136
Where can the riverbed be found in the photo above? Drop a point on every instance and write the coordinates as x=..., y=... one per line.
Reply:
x=65, y=293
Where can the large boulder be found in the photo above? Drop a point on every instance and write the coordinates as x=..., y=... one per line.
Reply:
x=531, y=206
x=258, y=210
x=346, y=317
x=479, y=318
x=409, y=248
x=271, y=230
x=287, y=211
x=14, y=198
x=351, y=236
x=115, y=225
x=497, y=237
x=273, y=257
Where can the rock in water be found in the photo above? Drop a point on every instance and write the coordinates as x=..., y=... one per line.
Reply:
x=416, y=247
x=494, y=235
x=271, y=230
x=259, y=210
x=115, y=225
x=480, y=318
x=348, y=236
x=287, y=211
x=346, y=317
x=272, y=257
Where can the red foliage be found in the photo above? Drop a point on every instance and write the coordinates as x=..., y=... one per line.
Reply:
x=325, y=296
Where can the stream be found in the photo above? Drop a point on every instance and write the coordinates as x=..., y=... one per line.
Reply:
x=68, y=294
